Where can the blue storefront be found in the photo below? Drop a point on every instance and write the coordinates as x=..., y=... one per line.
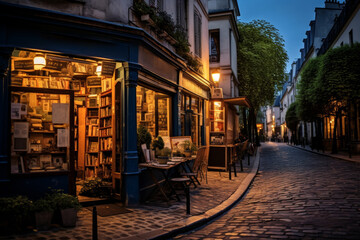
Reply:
x=134, y=63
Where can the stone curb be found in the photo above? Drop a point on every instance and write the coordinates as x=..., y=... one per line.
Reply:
x=323, y=154
x=199, y=220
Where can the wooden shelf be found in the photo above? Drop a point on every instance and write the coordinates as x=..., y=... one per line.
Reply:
x=92, y=136
x=109, y=150
x=43, y=153
x=108, y=116
x=105, y=127
x=107, y=92
x=42, y=131
x=107, y=105
x=106, y=136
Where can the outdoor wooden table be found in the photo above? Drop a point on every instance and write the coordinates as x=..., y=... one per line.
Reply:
x=164, y=169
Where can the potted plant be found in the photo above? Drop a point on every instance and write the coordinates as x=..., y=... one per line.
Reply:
x=95, y=188
x=44, y=210
x=187, y=148
x=68, y=205
x=143, y=137
x=163, y=155
x=14, y=213
x=157, y=146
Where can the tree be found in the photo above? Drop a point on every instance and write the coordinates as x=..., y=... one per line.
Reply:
x=308, y=104
x=292, y=119
x=261, y=62
x=338, y=82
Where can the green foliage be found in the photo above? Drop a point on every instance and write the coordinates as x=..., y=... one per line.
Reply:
x=63, y=200
x=308, y=88
x=166, y=152
x=328, y=82
x=143, y=137
x=340, y=73
x=291, y=117
x=164, y=22
x=141, y=8
x=158, y=143
x=43, y=204
x=94, y=188
x=261, y=62
x=16, y=206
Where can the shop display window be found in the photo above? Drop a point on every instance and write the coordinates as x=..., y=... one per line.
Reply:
x=62, y=114
x=153, y=111
x=217, y=123
x=191, y=117
x=40, y=124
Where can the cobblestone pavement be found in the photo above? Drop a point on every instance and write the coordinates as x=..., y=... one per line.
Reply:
x=296, y=195
x=148, y=218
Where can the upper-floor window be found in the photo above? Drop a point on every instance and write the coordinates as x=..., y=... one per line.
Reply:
x=197, y=33
x=181, y=13
x=214, y=46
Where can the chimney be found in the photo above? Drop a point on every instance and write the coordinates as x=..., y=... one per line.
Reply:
x=334, y=4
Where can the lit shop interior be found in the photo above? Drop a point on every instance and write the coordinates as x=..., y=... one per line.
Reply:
x=63, y=117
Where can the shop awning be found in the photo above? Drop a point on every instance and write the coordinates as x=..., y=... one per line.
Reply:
x=240, y=101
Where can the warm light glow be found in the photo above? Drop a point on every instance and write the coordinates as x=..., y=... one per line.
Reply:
x=98, y=69
x=39, y=61
x=272, y=126
x=216, y=76
x=217, y=104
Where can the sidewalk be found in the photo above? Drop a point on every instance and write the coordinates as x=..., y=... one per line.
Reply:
x=340, y=155
x=152, y=221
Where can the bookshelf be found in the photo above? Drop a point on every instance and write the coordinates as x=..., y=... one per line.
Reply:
x=106, y=134
x=91, y=163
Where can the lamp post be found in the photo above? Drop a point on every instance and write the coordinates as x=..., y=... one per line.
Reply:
x=216, y=77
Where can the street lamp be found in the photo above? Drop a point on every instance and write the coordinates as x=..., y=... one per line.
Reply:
x=216, y=76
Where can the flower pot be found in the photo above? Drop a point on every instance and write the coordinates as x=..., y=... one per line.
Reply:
x=162, y=159
x=43, y=219
x=187, y=153
x=68, y=217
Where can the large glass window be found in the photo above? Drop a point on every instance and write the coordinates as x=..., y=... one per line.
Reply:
x=153, y=111
x=191, y=117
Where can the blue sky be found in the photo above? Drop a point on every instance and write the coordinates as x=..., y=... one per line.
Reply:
x=290, y=17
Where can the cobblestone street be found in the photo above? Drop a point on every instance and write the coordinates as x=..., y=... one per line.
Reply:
x=296, y=195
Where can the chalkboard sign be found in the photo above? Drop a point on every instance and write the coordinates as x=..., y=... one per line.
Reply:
x=55, y=64
x=108, y=69
x=24, y=65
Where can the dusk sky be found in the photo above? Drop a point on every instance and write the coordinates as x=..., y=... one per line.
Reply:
x=290, y=17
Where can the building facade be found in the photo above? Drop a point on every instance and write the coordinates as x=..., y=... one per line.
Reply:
x=319, y=29
x=79, y=77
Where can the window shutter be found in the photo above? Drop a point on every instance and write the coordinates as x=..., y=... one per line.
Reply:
x=197, y=33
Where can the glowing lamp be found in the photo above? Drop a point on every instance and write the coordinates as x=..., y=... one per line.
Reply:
x=215, y=76
x=98, y=69
x=39, y=61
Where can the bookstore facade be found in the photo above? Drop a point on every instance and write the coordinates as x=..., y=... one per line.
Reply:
x=73, y=92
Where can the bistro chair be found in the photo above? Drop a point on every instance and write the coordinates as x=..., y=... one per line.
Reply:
x=199, y=167
x=234, y=158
